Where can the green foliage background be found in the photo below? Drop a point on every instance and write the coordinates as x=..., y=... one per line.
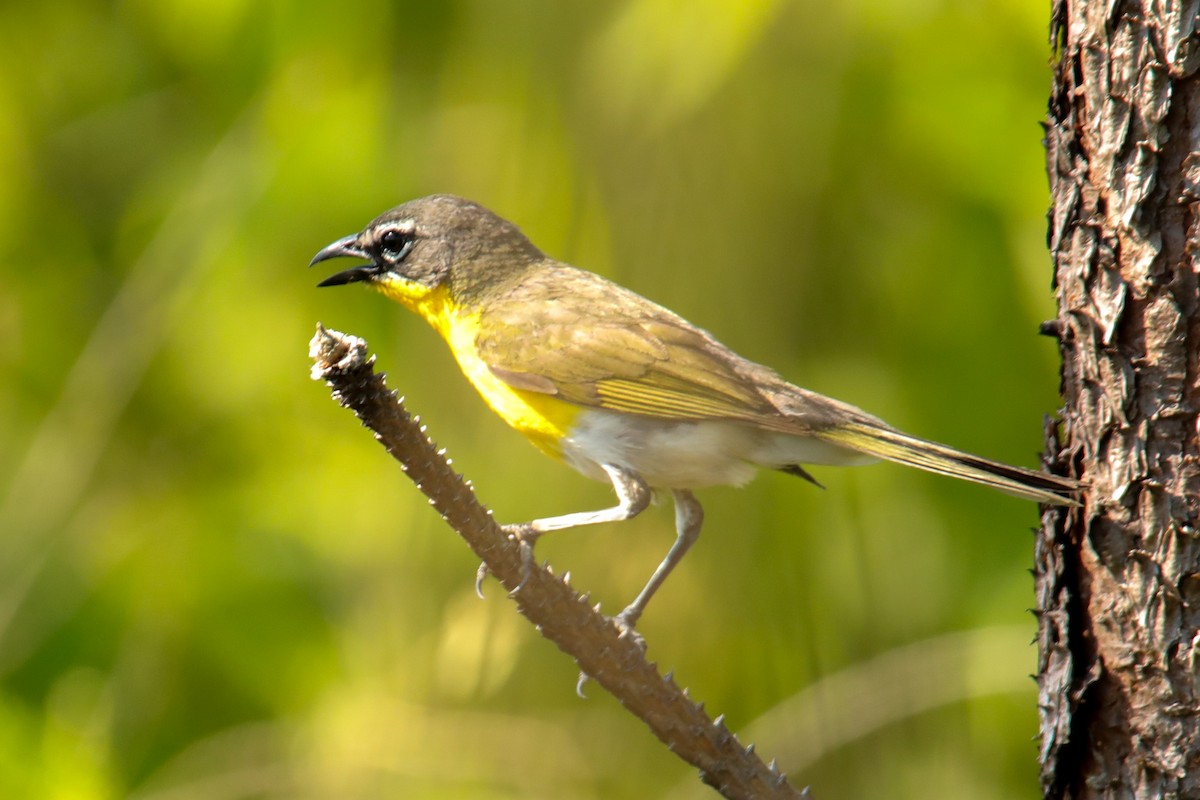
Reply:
x=214, y=584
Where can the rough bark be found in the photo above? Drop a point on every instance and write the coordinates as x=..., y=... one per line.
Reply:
x=1118, y=580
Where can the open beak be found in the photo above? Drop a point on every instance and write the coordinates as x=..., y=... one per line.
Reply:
x=347, y=246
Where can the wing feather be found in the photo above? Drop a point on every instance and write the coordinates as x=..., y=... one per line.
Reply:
x=602, y=346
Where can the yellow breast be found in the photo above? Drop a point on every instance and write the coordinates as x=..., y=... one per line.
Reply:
x=542, y=418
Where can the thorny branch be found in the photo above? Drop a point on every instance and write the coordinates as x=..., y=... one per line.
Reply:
x=614, y=661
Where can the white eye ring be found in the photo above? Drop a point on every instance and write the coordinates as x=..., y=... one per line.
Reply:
x=395, y=243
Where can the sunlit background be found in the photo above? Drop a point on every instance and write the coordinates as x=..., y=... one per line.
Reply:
x=215, y=584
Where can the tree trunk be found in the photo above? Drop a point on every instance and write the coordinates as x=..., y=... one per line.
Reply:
x=1118, y=580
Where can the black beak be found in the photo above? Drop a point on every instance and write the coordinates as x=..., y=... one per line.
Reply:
x=347, y=246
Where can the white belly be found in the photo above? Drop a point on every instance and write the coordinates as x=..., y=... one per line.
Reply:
x=689, y=455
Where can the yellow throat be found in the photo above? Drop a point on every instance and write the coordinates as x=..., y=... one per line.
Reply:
x=542, y=418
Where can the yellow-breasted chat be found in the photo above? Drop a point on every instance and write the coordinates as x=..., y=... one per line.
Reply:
x=617, y=386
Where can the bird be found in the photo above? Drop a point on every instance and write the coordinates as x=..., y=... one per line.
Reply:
x=618, y=387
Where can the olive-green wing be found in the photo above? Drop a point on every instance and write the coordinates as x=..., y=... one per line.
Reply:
x=573, y=334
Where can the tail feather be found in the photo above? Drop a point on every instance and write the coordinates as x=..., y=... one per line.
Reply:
x=890, y=444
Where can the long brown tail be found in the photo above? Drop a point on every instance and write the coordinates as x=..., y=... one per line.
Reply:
x=892, y=445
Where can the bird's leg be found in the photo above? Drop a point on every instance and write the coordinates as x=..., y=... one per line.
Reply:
x=689, y=516
x=633, y=496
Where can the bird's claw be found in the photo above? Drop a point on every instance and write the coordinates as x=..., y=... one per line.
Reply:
x=625, y=622
x=525, y=536
x=481, y=575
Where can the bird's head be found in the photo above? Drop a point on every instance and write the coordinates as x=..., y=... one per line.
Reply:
x=432, y=242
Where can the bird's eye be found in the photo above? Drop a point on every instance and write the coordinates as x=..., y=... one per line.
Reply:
x=395, y=244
